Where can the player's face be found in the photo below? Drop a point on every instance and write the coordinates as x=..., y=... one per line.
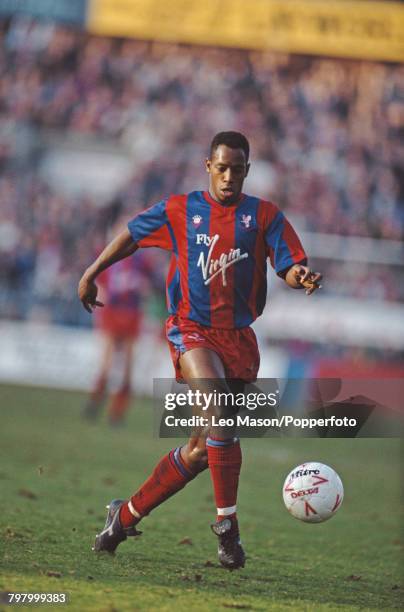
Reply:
x=228, y=169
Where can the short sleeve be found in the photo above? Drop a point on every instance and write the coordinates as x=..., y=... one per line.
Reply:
x=283, y=245
x=150, y=228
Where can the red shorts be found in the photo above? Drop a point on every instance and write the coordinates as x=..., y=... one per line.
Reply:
x=119, y=322
x=237, y=348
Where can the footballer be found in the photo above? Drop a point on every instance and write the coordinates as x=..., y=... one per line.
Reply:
x=123, y=288
x=216, y=287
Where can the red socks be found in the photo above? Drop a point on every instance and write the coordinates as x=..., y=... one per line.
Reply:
x=172, y=474
x=119, y=405
x=169, y=476
x=224, y=458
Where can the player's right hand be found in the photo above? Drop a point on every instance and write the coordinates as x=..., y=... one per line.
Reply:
x=87, y=291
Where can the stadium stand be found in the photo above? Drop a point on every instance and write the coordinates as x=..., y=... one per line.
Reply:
x=326, y=136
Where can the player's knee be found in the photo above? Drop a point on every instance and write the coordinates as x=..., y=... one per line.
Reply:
x=223, y=411
x=197, y=459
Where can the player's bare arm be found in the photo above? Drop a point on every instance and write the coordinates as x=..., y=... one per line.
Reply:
x=302, y=277
x=120, y=247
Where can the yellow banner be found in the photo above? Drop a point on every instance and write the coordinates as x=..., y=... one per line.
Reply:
x=359, y=29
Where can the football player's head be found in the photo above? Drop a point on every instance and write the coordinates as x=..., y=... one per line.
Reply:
x=228, y=166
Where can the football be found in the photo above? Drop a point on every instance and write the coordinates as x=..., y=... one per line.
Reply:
x=313, y=492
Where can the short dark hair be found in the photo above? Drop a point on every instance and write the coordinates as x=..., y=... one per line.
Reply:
x=234, y=140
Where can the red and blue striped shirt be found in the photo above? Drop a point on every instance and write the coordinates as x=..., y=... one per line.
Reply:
x=218, y=270
x=125, y=284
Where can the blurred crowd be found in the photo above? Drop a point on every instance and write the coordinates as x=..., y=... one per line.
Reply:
x=326, y=136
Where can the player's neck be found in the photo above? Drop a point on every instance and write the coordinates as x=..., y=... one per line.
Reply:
x=212, y=199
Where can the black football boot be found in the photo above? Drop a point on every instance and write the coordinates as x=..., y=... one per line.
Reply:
x=230, y=552
x=113, y=533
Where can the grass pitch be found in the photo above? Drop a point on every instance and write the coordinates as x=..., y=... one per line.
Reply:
x=58, y=472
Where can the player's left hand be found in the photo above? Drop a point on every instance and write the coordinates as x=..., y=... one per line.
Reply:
x=307, y=278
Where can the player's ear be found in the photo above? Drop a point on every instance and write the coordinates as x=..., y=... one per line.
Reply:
x=208, y=164
x=247, y=169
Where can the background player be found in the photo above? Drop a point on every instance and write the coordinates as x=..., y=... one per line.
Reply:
x=216, y=287
x=123, y=289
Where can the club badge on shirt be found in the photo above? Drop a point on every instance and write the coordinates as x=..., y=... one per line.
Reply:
x=197, y=220
x=246, y=221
